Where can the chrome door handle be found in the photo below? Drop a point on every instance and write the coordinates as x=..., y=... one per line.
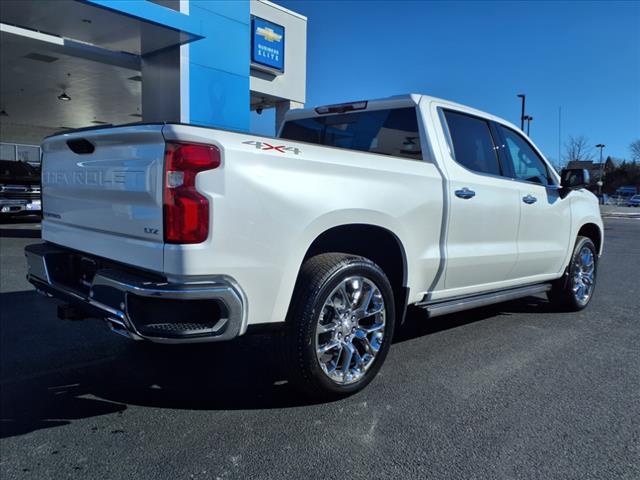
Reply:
x=465, y=193
x=529, y=199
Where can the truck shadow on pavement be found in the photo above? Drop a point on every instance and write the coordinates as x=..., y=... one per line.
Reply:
x=27, y=227
x=19, y=233
x=54, y=372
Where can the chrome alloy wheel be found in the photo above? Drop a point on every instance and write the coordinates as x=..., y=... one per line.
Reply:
x=350, y=330
x=583, y=275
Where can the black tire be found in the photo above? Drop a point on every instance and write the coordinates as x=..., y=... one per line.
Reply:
x=563, y=295
x=318, y=278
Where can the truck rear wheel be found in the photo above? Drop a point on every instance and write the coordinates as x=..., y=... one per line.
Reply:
x=340, y=325
x=574, y=290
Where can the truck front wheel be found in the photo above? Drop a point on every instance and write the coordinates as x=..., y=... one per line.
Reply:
x=340, y=325
x=575, y=289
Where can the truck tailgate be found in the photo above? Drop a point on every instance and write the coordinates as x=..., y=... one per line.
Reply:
x=102, y=193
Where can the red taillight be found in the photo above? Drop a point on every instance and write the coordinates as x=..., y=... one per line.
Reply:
x=186, y=212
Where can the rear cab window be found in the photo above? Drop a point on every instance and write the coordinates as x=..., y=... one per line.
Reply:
x=388, y=132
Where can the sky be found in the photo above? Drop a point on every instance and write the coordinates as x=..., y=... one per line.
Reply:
x=581, y=56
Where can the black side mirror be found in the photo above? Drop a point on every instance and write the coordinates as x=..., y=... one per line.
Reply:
x=574, y=178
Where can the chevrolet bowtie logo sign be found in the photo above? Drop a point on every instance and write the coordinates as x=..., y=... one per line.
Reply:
x=268, y=34
x=267, y=44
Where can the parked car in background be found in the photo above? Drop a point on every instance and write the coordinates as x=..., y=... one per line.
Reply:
x=634, y=201
x=624, y=194
x=19, y=189
x=617, y=200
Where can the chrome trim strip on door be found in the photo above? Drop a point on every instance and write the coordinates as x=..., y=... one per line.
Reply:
x=444, y=222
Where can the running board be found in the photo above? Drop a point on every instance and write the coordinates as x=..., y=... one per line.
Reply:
x=444, y=307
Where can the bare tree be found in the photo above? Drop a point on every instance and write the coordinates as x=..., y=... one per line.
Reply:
x=578, y=148
x=635, y=150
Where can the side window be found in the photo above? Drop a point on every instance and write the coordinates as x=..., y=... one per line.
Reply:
x=472, y=143
x=527, y=164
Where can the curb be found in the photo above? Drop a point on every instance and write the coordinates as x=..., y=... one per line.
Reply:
x=620, y=215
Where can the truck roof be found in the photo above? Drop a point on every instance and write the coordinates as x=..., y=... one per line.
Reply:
x=394, y=101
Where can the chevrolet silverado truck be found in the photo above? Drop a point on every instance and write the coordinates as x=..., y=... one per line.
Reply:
x=177, y=233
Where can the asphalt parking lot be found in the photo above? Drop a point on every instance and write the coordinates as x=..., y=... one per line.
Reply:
x=511, y=391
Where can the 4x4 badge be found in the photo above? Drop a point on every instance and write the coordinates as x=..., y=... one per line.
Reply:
x=268, y=146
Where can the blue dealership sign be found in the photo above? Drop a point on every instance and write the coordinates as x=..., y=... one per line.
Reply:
x=267, y=42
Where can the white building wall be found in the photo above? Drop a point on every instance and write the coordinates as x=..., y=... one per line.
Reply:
x=291, y=85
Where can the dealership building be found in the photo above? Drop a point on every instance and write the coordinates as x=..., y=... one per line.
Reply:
x=69, y=64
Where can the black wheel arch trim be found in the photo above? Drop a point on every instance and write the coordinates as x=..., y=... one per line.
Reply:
x=334, y=240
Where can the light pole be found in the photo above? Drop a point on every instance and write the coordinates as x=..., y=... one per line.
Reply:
x=600, y=183
x=523, y=97
x=528, y=118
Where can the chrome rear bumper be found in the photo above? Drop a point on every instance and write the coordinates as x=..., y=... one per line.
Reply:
x=206, y=311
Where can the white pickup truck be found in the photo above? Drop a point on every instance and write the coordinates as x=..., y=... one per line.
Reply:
x=177, y=233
